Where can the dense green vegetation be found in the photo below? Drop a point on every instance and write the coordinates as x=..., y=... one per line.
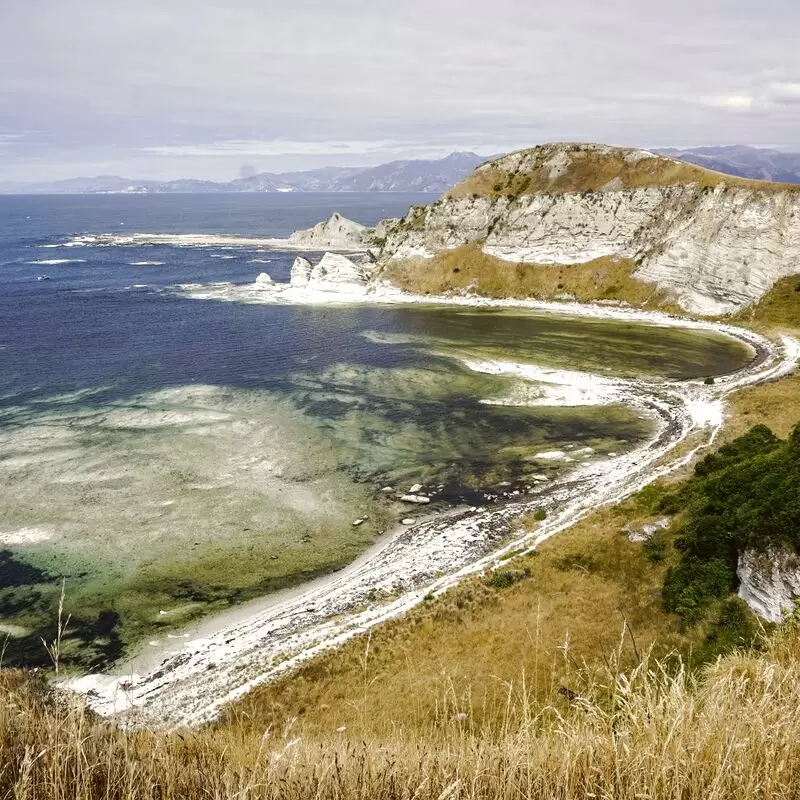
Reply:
x=746, y=495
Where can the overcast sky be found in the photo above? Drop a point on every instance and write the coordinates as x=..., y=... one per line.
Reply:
x=178, y=88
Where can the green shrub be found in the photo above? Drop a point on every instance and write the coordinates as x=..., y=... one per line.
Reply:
x=503, y=578
x=744, y=496
x=655, y=548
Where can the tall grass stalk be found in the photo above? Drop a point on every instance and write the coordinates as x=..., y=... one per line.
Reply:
x=655, y=731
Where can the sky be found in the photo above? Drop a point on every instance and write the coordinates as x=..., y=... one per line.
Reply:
x=200, y=88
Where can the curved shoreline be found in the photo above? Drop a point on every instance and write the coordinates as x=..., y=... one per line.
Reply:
x=193, y=684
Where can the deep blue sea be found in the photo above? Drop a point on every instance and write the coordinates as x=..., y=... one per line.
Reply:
x=87, y=326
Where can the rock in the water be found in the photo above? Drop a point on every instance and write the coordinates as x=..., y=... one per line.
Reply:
x=301, y=272
x=264, y=279
x=337, y=233
x=337, y=273
x=415, y=498
x=770, y=582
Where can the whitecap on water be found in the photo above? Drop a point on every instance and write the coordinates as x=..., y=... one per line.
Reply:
x=50, y=262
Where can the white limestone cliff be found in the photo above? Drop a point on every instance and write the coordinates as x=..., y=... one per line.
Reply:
x=715, y=243
x=337, y=273
x=336, y=233
x=770, y=582
x=301, y=272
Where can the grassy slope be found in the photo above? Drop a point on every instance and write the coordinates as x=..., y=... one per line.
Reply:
x=468, y=268
x=779, y=309
x=469, y=644
x=654, y=732
x=591, y=170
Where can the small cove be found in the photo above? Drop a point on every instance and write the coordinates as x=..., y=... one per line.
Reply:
x=181, y=456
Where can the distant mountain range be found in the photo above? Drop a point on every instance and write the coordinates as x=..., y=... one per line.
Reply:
x=746, y=162
x=398, y=176
x=434, y=176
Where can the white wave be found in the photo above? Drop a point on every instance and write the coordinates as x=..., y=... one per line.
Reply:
x=49, y=262
x=147, y=263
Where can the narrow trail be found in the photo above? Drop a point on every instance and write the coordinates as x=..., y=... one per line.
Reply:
x=193, y=684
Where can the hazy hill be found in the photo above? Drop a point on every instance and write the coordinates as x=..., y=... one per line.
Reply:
x=747, y=162
x=434, y=176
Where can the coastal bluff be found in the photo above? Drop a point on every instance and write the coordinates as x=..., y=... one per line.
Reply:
x=708, y=243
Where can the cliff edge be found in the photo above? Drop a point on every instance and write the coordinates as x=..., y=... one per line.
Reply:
x=707, y=242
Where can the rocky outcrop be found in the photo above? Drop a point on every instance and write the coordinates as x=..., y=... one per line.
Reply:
x=264, y=279
x=770, y=582
x=337, y=273
x=336, y=233
x=713, y=242
x=301, y=272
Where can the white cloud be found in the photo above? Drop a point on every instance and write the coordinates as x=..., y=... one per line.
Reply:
x=734, y=102
x=277, y=147
x=162, y=83
x=786, y=92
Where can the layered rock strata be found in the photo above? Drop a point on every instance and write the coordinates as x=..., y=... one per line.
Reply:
x=713, y=242
x=770, y=582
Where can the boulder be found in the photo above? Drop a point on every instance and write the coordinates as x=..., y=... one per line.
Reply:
x=419, y=499
x=301, y=272
x=644, y=532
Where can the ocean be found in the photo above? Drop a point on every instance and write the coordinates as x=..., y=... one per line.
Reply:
x=163, y=457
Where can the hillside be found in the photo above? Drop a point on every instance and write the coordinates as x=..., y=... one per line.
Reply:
x=706, y=242
x=420, y=175
x=748, y=162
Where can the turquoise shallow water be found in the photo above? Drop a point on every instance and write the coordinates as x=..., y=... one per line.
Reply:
x=169, y=455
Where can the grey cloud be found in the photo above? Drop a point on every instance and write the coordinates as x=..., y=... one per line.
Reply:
x=162, y=84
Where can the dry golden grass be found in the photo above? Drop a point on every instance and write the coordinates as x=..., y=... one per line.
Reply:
x=779, y=309
x=591, y=171
x=585, y=586
x=468, y=267
x=776, y=405
x=652, y=731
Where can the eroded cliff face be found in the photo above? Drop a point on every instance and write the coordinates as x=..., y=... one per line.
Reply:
x=714, y=243
x=770, y=583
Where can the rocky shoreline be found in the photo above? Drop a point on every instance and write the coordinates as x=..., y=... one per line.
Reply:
x=194, y=683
